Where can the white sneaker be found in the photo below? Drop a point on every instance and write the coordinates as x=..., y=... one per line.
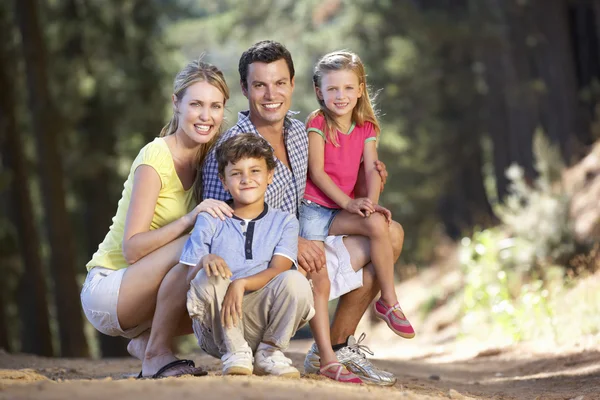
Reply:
x=273, y=362
x=238, y=363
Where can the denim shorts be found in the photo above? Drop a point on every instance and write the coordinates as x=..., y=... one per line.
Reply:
x=315, y=220
x=99, y=297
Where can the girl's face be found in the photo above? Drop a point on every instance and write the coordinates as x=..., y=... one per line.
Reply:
x=200, y=112
x=340, y=91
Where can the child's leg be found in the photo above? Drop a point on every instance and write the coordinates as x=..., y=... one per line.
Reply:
x=319, y=324
x=204, y=301
x=374, y=227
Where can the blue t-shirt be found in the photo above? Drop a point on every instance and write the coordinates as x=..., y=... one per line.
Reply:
x=246, y=246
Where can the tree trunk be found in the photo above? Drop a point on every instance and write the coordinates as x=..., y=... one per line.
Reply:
x=35, y=329
x=561, y=113
x=46, y=122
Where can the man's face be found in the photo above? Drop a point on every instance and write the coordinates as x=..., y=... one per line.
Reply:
x=247, y=180
x=269, y=92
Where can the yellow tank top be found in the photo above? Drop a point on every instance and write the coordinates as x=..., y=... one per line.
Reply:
x=173, y=203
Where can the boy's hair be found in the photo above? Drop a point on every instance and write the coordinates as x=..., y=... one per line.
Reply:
x=363, y=111
x=244, y=145
x=266, y=51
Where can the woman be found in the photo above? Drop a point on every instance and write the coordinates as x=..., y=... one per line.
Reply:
x=132, y=284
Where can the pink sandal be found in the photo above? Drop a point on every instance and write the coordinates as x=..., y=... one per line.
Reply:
x=340, y=374
x=395, y=318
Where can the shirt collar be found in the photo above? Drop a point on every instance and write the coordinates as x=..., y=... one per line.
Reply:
x=259, y=216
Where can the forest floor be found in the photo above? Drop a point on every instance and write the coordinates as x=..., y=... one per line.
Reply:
x=440, y=363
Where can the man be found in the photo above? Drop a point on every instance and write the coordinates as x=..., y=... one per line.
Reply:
x=267, y=80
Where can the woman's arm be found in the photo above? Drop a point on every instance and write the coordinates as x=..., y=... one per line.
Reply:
x=316, y=170
x=138, y=239
x=373, y=178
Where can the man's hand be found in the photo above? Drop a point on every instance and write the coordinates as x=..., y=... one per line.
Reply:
x=231, y=311
x=380, y=167
x=310, y=257
x=215, y=266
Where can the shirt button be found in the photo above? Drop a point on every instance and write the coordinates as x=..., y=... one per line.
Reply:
x=243, y=223
x=247, y=250
x=244, y=233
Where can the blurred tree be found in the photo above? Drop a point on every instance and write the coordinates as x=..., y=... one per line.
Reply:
x=47, y=127
x=113, y=65
x=35, y=328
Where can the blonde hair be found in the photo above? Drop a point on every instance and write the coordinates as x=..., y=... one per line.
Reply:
x=363, y=111
x=194, y=72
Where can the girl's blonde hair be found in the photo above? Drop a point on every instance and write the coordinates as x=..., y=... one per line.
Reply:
x=196, y=71
x=363, y=111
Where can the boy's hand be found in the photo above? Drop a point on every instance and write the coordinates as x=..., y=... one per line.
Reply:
x=362, y=206
x=386, y=213
x=215, y=266
x=231, y=311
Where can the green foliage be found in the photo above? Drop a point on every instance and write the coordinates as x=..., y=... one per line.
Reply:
x=538, y=215
x=512, y=271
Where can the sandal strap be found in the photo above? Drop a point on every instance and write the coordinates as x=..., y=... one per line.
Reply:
x=173, y=364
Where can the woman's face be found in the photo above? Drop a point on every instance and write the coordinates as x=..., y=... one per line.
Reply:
x=200, y=112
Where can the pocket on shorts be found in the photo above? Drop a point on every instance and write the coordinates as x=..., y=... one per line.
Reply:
x=309, y=211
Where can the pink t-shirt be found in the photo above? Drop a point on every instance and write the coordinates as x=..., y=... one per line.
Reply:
x=341, y=163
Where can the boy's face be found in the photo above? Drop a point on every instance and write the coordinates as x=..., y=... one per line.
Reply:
x=247, y=180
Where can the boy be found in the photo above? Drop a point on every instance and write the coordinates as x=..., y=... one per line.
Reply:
x=265, y=302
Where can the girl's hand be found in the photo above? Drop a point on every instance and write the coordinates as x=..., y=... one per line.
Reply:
x=362, y=206
x=231, y=310
x=216, y=208
x=386, y=213
x=215, y=266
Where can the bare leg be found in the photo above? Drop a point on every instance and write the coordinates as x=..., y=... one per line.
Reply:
x=141, y=282
x=375, y=227
x=352, y=306
x=146, y=284
x=170, y=319
x=319, y=324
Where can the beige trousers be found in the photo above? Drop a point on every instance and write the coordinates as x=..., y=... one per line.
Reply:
x=271, y=314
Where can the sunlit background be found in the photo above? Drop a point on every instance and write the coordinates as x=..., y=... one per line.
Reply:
x=487, y=109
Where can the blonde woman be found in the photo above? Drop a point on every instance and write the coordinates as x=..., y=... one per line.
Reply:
x=135, y=287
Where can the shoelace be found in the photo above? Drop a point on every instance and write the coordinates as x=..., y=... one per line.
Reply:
x=360, y=348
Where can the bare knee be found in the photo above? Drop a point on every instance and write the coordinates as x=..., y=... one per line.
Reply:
x=321, y=283
x=397, y=238
x=376, y=225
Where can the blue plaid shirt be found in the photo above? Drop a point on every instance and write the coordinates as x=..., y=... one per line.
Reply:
x=287, y=189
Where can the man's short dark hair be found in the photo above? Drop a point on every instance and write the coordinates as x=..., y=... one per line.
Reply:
x=266, y=51
x=244, y=145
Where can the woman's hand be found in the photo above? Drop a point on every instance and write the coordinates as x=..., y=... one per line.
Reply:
x=362, y=206
x=215, y=266
x=231, y=311
x=216, y=208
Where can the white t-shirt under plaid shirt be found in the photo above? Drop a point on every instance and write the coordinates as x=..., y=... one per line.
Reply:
x=287, y=189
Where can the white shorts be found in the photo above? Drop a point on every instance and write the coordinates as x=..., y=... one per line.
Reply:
x=99, y=297
x=342, y=276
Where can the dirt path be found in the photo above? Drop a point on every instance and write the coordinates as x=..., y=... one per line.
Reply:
x=512, y=373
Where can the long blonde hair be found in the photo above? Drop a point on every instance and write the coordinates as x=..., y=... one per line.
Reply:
x=196, y=71
x=363, y=111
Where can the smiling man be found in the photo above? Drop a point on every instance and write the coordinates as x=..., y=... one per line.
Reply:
x=267, y=80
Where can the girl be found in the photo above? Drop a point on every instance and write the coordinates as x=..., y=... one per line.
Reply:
x=342, y=133
x=133, y=281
